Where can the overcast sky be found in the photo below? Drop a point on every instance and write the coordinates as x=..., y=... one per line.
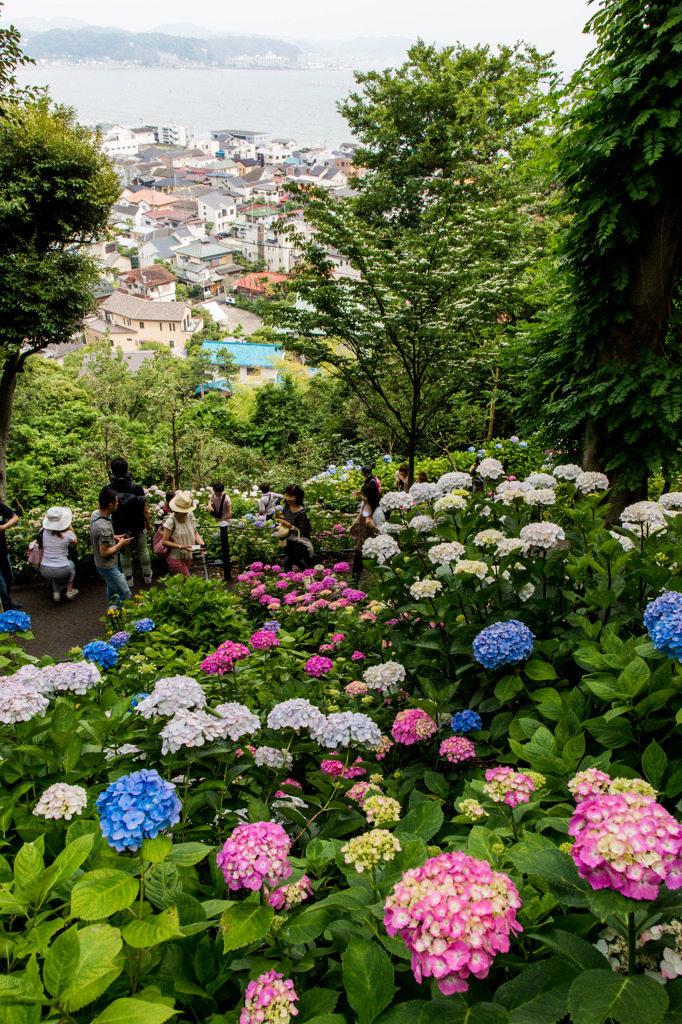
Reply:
x=548, y=24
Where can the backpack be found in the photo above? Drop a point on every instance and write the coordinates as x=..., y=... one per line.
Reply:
x=219, y=513
x=129, y=517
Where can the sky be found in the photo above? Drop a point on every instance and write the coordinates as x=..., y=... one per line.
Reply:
x=548, y=24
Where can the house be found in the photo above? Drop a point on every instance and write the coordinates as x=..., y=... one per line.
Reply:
x=163, y=245
x=146, y=198
x=260, y=285
x=128, y=321
x=258, y=364
x=119, y=141
x=244, y=164
x=218, y=210
x=243, y=135
x=154, y=283
x=113, y=262
x=200, y=264
x=173, y=134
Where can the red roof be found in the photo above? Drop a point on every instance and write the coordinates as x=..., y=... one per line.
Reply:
x=151, y=276
x=257, y=282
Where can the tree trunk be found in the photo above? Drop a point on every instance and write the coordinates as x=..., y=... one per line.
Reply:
x=8, y=384
x=652, y=280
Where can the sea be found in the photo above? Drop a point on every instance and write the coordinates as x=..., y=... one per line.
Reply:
x=299, y=104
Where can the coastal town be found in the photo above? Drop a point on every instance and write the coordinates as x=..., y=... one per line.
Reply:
x=205, y=224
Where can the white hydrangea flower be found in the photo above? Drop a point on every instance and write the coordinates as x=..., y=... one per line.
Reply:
x=189, y=729
x=443, y=554
x=511, y=485
x=382, y=548
x=424, y=492
x=237, y=720
x=470, y=567
x=588, y=482
x=511, y=495
x=19, y=702
x=450, y=501
x=486, y=537
x=526, y=592
x=389, y=528
x=425, y=588
x=297, y=713
x=422, y=523
x=76, y=677
x=271, y=757
x=625, y=542
x=34, y=677
x=539, y=480
x=289, y=802
x=507, y=546
x=454, y=481
x=569, y=471
x=644, y=529
x=491, y=468
x=539, y=496
x=122, y=751
x=171, y=694
x=381, y=677
x=541, y=535
x=395, y=500
x=649, y=513
x=345, y=727
x=671, y=500
x=61, y=801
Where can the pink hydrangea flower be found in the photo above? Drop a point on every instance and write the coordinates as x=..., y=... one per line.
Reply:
x=368, y=617
x=504, y=785
x=309, y=572
x=383, y=748
x=353, y=595
x=256, y=567
x=263, y=640
x=413, y=725
x=258, y=591
x=291, y=597
x=341, y=567
x=318, y=666
x=255, y=855
x=589, y=783
x=288, y=896
x=356, y=689
x=338, y=769
x=454, y=914
x=325, y=647
x=627, y=842
x=222, y=660
x=269, y=998
x=282, y=584
x=357, y=656
x=358, y=791
x=337, y=638
x=457, y=748
x=287, y=782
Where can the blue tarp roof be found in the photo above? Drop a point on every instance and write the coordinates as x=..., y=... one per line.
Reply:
x=244, y=353
x=215, y=385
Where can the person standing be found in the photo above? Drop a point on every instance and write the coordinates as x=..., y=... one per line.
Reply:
x=371, y=477
x=131, y=517
x=366, y=524
x=180, y=533
x=56, y=539
x=106, y=546
x=8, y=518
x=219, y=504
x=267, y=501
x=401, y=478
x=297, y=552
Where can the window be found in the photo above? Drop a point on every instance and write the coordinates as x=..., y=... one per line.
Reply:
x=253, y=371
x=172, y=327
x=160, y=327
x=141, y=322
x=172, y=343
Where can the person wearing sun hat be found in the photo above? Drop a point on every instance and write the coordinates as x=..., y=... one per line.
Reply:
x=56, y=539
x=180, y=533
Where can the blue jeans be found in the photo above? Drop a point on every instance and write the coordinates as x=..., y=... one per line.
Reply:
x=4, y=593
x=118, y=590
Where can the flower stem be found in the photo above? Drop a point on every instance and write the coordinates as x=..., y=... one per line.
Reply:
x=632, y=944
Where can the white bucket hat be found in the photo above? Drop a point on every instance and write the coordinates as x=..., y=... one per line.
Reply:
x=182, y=502
x=57, y=518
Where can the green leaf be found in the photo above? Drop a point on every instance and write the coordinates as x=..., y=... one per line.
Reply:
x=440, y=1010
x=61, y=961
x=102, y=893
x=150, y=931
x=424, y=820
x=654, y=764
x=605, y=902
x=507, y=688
x=185, y=855
x=306, y=926
x=579, y=953
x=403, y=1013
x=156, y=850
x=597, y=996
x=258, y=810
x=98, y=966
x=68, y=861
x=316, y=1001
x=244, y=923
x=539, y=671
x=367, y=978
x=555, y=867
x=28, y=864
x=436, y=783
x=134, y=1011
x=538, y=995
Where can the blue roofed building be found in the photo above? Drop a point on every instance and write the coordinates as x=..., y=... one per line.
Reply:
x=258, y=364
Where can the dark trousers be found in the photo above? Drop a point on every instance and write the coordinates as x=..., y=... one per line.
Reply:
x=296, y=554
x=357, y=565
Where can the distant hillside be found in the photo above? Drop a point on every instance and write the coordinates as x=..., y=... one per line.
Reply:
x=85, y=44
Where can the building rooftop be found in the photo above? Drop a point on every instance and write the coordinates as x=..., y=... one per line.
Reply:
x=144, y=309
x=204, y=250
x=244, y=353
x=151, y=276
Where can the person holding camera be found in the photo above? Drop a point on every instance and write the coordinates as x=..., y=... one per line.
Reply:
x=106, y=546
x=180, y=533
x=131, y=518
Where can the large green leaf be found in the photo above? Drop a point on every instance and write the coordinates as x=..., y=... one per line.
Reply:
x=99, y=965
x=102, y=893
x=150, y=931
x=244, y=923
x=156, y=850
x=555, y=867
x=306, y=926
x=134, y=1011
x=424, y=820
x=61, y=961
x=68, y=861
x=458, y=1012
x=187, y=854
x=538, y=995
x=316, y=1001
x=28, y=865
x=654, y=764
x=580, y=954
x=598, y=996
x=367, y=978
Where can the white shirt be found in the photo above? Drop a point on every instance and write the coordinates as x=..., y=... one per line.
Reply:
x=56, y=548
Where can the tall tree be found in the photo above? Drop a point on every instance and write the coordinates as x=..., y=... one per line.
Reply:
x=56, y=191
x=605, y=369
x=437, y=239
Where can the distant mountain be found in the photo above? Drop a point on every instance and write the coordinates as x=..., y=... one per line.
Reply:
x=92, y=43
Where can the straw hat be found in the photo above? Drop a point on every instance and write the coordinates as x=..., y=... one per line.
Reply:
x=57, y=519
x=182, y=502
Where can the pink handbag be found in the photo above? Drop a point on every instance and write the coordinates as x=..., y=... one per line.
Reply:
x=35, y=553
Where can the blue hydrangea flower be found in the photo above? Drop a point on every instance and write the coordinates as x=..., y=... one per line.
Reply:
x=503, y=643
x=666, y=634
x=249, y=517
x=15, y=622
x=471, y=449
x=481, y=452
x=523, y=444
x=669, y=603
x=465, y=721
x=349, y=464
x=272, y=626
x=260, y=524
x=331, y=469
x=498, y=445
x=144, y=626
x=102, y=653
x=119, y=640
x=136, y=807
x=134, y=701
x=514, y=439
x=387, y=458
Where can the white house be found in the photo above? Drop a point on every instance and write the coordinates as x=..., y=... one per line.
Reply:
x=217, y=209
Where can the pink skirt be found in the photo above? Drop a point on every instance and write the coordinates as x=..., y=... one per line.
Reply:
x=178, y=566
